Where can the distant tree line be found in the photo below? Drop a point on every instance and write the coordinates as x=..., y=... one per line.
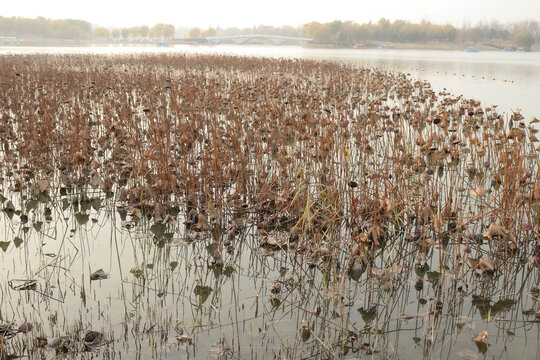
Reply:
x=256, y=30
x=342, y=33
x=78, y=29
x=66, y=28
x=158, y=31
x=348, y=33
x=523, y=34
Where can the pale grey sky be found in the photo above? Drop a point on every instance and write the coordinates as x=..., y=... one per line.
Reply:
x=246, y=13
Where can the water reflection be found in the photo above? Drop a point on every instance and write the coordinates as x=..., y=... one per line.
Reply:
x=165, y=297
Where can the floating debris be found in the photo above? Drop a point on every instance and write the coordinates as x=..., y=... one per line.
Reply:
x=61, y=344
x=486, y=266
x=499, y=231
x=99, y=275
x=481, y=341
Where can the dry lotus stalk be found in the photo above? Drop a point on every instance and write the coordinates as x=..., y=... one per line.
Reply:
x=536, y=192
x=428, y=214
x=358, y=250
x=499, y=231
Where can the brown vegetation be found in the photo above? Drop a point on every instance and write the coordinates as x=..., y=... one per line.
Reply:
x=354, y=171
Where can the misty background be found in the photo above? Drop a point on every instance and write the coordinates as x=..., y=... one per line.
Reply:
x=341, y=23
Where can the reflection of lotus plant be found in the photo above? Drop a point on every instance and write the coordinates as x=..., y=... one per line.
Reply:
x=220, y=349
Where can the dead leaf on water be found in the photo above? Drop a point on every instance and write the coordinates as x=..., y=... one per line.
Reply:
x=136, y=213
x=479, y=192
x=486, y=266
x=426, y=242
x=499, y=231
x=184, y=341
x=99, y=275
x=44, y=185
x=481, y=341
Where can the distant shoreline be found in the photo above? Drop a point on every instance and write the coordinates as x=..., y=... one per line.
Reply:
x=427, y=46
x=51, y=42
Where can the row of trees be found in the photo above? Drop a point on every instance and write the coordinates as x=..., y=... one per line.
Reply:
x=158, y=31
x=523, y=34
x=66, y=29
x=195, y=33
x=78, y=29
x=256, y=30
x=347, y=33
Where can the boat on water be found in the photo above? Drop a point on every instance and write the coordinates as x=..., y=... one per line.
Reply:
x=383, y=47
x=470, y=49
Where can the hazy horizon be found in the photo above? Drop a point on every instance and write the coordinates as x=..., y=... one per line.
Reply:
x=243, y=13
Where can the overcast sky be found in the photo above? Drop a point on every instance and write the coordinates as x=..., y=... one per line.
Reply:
x=246, y=13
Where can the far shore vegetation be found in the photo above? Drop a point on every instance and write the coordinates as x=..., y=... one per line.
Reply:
x=522, y=34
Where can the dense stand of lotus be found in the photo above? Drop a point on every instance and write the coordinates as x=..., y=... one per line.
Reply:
x=340, y=159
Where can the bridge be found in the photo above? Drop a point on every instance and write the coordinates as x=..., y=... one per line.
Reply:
x=273, y=39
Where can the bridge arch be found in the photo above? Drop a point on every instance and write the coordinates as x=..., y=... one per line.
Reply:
x=258, y=39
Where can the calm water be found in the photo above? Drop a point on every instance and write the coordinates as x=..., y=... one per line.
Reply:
x=161, y=280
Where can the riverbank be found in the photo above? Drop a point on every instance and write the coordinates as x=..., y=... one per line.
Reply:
x=430, y=45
